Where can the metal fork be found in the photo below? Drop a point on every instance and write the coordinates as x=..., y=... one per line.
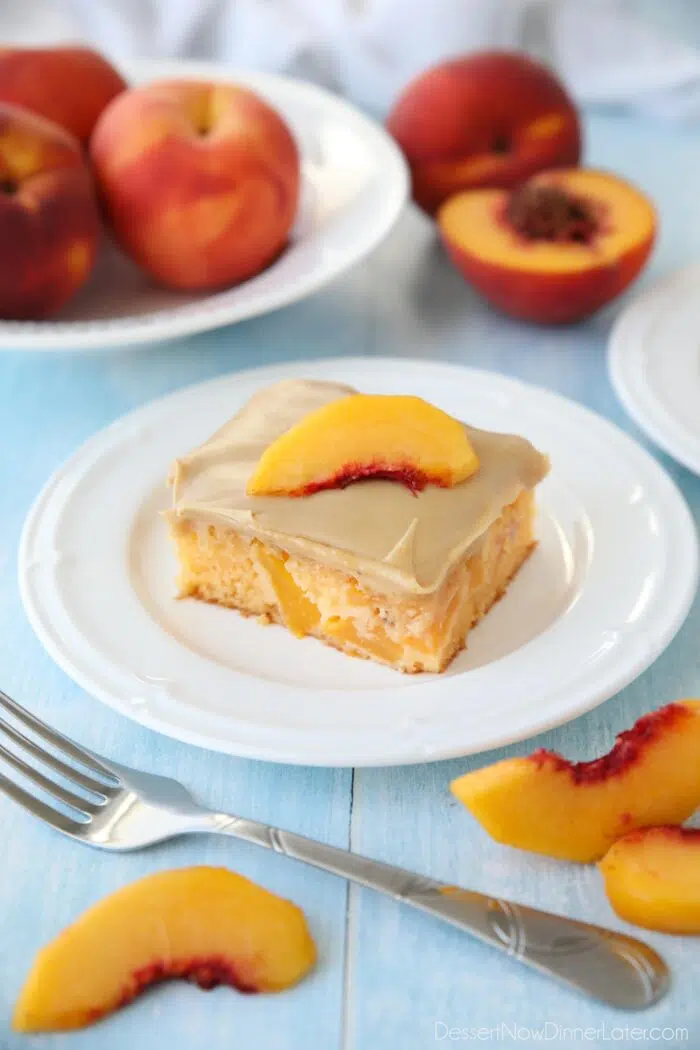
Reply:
x=118, y=808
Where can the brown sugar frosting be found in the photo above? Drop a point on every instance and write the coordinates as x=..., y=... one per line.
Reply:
x=378, y=531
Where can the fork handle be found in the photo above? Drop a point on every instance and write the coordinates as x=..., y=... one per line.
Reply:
x=604, y=964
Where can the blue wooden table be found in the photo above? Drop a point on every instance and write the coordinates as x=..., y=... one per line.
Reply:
x=387, y=978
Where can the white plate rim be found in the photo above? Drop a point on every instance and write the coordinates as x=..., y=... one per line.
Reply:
x=165, y=323
x=624, y=359
x=680, y=593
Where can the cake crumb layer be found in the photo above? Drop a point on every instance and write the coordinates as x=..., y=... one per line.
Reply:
x=411, y=633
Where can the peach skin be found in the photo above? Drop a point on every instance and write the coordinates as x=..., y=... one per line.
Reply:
x=200, y=181
x=576, y=810
x=207, y=925
x=49, y=220
x=489, y=119
x=69, y=85
x=556, y=249
x=362, y=436
x=652, y=878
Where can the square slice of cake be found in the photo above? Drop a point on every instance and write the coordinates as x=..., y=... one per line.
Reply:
x=378, y=524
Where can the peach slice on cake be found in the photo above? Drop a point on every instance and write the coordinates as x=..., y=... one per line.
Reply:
x=555, y=249
x=576, y=810
x=362, y=436
x=203, y=924
x=652, y=878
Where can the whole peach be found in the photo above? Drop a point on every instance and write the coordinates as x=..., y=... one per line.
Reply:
x=69, y=85
x=200, y=181
x=49, y=219
x=489, y=119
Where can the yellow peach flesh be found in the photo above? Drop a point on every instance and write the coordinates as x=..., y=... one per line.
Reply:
x=652, y=879
x=300, y=614
x=626, y=218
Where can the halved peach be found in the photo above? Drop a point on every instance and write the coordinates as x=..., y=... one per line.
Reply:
x=652, y=878
x=575, y=810
x=206, y=925
x=393, y=437
x=554, y=250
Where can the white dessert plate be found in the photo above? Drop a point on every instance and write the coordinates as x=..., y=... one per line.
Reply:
x=654, y=364
x=354, y=185
x=609, y=585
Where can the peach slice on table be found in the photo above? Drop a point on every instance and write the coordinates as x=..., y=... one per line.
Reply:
x=202, y=924
x=362, y=436
x=554, y=250
x=576, y=810
x=652, y=878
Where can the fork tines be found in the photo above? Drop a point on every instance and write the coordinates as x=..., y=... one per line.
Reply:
x=88, y=791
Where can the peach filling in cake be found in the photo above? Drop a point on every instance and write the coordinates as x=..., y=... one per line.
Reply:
x=391, y=548
x=412, y=633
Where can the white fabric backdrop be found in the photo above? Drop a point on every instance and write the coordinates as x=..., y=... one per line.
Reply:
x=368, y=49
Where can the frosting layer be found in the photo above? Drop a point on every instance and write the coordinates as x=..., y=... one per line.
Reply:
x=379, y=531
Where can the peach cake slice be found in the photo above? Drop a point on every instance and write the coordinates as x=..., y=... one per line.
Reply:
x=375, y=523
